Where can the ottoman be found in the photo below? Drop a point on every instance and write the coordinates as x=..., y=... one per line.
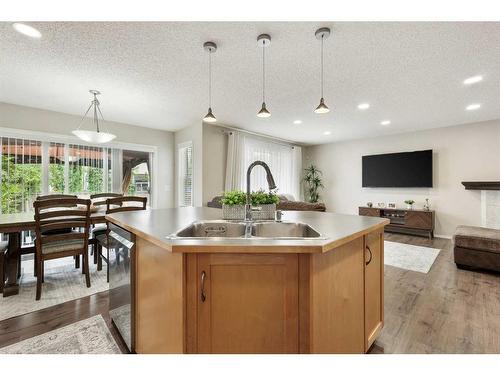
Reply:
x=477, y=247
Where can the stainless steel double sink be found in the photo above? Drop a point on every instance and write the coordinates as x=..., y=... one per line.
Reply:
x=247, y=230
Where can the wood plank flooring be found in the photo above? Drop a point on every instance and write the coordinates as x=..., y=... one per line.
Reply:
x=444, y=311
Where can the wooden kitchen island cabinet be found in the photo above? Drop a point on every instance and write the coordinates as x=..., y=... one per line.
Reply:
x=319, y=296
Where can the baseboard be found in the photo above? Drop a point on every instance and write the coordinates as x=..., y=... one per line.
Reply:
x=442, y=236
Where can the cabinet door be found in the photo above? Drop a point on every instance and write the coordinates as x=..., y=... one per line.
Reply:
x=247, y=303
x=374, y=286
x=418, y=219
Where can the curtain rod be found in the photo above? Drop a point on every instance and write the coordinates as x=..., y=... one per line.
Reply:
x=275, y=139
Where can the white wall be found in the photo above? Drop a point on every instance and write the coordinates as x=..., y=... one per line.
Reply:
x=464, y=152
x=214, y=161
x=33, y=119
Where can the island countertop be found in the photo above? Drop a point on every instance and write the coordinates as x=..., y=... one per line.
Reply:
x=158, y=225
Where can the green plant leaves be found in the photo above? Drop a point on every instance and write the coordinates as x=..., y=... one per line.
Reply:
x=237, y=197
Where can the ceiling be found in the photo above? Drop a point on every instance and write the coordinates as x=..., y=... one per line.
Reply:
x=154, y=74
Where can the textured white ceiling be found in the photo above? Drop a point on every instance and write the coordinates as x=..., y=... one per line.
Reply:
x=155, y=74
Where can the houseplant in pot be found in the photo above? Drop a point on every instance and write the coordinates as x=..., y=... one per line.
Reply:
x=409, y=204
x=313, y=181
x=233, y=205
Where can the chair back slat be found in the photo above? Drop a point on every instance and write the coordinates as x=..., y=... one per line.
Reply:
x=52, y=216
x=62, y=213
x=66, y=237
x=55, y=196
x=100, y=199
x=120, y=204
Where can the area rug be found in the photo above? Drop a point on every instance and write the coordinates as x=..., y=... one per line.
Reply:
x=63, y=282
x=89, y=336
x=409, y=257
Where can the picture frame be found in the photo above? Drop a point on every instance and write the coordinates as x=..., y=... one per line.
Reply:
x=391, y=204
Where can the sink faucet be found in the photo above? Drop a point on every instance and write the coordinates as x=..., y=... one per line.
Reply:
x=270, y=182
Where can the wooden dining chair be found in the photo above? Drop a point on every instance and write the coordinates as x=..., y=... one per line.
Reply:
x=113, y=205
x=99, y=229
x=61, y=214
x=4, y=245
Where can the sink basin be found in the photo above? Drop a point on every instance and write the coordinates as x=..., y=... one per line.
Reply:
x=283, y=230
x=257, y=230
x=212, y=228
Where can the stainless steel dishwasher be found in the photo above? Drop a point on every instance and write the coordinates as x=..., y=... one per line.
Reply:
x=121, y=265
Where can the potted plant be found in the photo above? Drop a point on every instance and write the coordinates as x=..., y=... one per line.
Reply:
x=233, y=205
x=312, y=179
x=409, y=204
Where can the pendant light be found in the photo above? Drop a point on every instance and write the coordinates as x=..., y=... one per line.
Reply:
x=210, y=47
x=263, y=41
x=92, y=136
x=322, y=34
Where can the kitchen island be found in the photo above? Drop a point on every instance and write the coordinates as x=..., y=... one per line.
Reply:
x=223, y=293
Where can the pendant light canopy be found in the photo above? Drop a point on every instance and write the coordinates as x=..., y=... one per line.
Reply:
x=210, y=47
x=322, y=34
x=263, y=41
x=92, y=136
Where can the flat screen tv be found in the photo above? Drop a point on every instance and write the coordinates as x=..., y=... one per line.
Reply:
x=402, y=169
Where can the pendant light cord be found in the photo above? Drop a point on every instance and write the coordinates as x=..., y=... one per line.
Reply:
x=322, y=37
x=210, y=78
x=264, y=72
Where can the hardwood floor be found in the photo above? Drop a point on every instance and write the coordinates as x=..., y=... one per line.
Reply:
x=35, y=323
x=444, y=311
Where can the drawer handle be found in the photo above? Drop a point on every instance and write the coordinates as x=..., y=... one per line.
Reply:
x=203, y=295
x=371, y=255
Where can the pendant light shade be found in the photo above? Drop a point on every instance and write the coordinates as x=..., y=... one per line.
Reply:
x=210, y=47
x=322, y=107
x=263, y=111
x=209, y=117
x=322, y=34
x=92, y=136
x=263, y=41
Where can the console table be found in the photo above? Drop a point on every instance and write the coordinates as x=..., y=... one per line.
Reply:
x=420, y=222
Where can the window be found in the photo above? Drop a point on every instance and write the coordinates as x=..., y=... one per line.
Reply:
x=56, y=168
x=284, y=160
x=136, y=173
x=21, y=174
x=87, y=173
x=185, y=174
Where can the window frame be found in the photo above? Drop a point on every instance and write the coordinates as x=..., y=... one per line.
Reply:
x=180, y=185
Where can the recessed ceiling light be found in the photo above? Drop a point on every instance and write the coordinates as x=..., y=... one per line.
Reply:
x=297, y=122
x=363, y=106
x=327, y=133
x=472, y=80
x=26, y=30
x=473, y=107
x=385, y=122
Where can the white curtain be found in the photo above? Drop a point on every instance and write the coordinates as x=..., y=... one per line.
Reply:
x=285, y=162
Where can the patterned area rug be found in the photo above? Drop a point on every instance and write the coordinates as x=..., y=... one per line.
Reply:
x=63, y=282
x=409, y=257
x=89, y=336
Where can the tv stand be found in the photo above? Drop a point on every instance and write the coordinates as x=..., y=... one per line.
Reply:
x=418, y=222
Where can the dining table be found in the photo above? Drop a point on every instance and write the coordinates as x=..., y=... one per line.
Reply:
x=13, y=225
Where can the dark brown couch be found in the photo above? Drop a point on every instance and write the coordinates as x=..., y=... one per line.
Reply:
x=284, y=205
x=477, y=247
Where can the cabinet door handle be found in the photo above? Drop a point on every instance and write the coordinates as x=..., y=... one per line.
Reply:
x=203, y=295
x=371, y=255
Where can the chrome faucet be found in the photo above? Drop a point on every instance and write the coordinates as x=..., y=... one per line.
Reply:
x=270, y=182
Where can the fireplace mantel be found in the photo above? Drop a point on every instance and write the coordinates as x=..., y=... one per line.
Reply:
x=481, y=185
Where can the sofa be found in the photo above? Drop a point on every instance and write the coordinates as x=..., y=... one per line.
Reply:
x=477, y=248
x=285, y=204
